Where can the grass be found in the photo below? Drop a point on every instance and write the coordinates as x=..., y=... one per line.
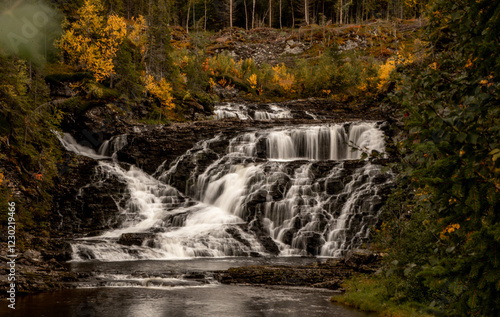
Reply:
x=369, y=294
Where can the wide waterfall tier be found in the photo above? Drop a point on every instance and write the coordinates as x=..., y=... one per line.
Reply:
x=244, y=112
x=335, y=142
x=287, y=191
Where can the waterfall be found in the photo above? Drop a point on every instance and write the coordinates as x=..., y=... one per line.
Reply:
x=298, y=190
x=105, y=151
x=336, y=142
x=71, y=145
x=243, y=112
x=116, y=143
x=229, y=110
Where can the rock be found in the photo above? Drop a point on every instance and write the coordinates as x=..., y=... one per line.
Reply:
x=269, y=244
x=60, y=89
x=225, y=92
x=236, y=234
x=32, y=256
x=313, y=243
x=137, y=238
x=329, y=274
x=294, y=48
x=360, y=258
x=334, y=187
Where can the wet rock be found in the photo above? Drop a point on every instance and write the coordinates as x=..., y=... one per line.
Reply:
x=314, y=242
x=236, y=234
x=288, y=236
x=334, y=187
x=137, y=238
x=361, y=259
x=329, y=274
x=269, y=244
x=82, y=205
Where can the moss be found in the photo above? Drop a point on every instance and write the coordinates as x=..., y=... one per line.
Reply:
x=370, y=294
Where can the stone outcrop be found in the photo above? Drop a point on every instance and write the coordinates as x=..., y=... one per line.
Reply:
x=81, y=205
x=329, y=274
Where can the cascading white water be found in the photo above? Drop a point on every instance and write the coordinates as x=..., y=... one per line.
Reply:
x=313, y=142
x=274, y=112
x=184, y=229
x=314, y=207
x=242, y=112
x=105, y=151
x=305, y=213
x=229, y=110
x=112, y=145
x=71, y=145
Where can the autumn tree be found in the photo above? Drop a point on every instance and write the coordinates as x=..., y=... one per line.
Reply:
x=92, y=41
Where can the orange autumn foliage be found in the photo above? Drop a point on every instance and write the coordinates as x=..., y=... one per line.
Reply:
x=92, y=41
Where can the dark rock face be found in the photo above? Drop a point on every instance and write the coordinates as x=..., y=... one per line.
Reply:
x=82, y=205
x=36, y=271
x=138, y=238
x=60, y=89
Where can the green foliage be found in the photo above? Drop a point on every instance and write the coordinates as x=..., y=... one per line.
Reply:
x=335, y=72
x=371, y=293
x=128, y=71
x=28, y=145
x=449, y=163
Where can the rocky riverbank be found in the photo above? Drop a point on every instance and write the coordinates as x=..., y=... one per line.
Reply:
x=34, y=273
x=329, y=274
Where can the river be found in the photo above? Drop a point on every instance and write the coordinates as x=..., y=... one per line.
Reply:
x=176, y=289
x=262, y=196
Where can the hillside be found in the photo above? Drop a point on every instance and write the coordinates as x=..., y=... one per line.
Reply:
x=103, y=69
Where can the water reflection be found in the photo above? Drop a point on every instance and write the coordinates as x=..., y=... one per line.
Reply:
x=220, y=301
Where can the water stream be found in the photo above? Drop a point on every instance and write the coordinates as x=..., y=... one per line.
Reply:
x=289, y=191
x=286, y=191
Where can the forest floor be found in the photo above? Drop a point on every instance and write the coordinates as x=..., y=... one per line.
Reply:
x=377, y=38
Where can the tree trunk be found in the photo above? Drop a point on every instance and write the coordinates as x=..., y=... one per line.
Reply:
x=341, y=4
x=281, y=25
x=270, y=12
x=253, y=14
x=187, y=19
x=205, y=27
x=306, y=11
x=230, y=14
x=362, y=11
x=246, y=15
x=293, y=15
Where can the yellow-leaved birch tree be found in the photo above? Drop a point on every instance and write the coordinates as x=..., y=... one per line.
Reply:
x=91, y=42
